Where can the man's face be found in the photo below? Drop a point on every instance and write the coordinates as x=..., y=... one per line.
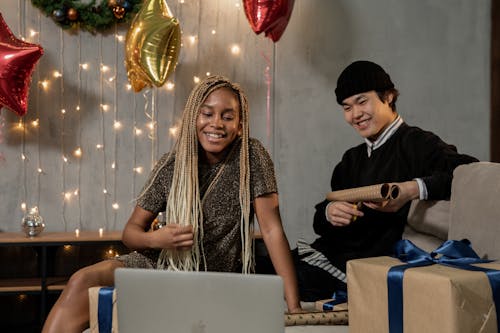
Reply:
x=218, y=123
x=368, y=114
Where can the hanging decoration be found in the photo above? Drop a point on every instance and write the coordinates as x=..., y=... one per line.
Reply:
x=17, y=62
x=152, y=46
x=88, y=15
x=270, y=17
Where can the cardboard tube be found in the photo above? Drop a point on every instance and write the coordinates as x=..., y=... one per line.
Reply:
x=374, y=193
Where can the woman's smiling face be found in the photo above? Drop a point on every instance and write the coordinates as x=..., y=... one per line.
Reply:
x=218, y=123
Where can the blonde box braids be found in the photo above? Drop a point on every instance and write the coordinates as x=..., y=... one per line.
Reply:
x=184, y=205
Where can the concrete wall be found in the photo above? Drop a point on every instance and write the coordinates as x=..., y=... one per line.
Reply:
x=437, y=52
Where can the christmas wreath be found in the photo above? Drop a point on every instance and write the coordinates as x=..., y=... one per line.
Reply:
x=89, y=16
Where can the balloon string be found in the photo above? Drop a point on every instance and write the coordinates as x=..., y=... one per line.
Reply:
x=268, y=79
x=2, y=125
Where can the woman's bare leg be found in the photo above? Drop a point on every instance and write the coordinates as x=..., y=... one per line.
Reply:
x=70, y=313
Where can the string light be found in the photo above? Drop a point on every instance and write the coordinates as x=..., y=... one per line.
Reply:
x=169, y=85
x=68, y=107
x=235, y=49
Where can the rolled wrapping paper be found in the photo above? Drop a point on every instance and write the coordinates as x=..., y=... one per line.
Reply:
x=317, y=318
x=374, y=193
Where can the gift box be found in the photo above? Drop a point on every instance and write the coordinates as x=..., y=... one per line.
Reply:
x=103, y=313
x=436, y=298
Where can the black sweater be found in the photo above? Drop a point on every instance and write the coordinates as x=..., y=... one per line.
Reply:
x=409, y=153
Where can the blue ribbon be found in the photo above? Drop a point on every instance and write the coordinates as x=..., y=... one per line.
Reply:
x=105, y=309
x=339, y=297
x=457, y=254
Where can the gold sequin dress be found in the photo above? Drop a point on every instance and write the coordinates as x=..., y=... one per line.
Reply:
x=221, y=206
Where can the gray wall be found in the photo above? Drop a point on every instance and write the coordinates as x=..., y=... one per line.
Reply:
x=437, y=52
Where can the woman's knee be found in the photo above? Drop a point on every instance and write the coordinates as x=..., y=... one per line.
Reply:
x=100, y=274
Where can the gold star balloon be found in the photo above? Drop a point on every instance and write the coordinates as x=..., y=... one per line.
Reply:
x=152, y=45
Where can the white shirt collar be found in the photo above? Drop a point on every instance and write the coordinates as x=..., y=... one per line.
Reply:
x=386, y=134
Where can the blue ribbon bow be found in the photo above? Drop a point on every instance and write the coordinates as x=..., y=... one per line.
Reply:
x=457, y=254
x=339, y=297
x=105, y=309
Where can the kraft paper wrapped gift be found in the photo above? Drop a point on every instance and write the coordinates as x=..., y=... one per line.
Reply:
x=436, y=298
x=103, y=313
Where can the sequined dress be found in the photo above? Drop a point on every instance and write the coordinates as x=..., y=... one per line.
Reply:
x=221, y=206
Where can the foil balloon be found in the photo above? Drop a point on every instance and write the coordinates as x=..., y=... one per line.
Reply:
x=17, y=62
x=268, y=16
x=152, y=45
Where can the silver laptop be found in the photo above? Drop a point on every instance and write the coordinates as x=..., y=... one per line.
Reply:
x=150, y=301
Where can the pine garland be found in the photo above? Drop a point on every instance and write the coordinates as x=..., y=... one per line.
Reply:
x=71, y=14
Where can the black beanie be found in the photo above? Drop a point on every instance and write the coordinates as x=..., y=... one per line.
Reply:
x=361, y=76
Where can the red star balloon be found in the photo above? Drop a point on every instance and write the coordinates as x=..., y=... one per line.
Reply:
x=17, y=61
x=268, y=16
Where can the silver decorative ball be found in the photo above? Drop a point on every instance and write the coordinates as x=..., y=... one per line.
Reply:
x=32, y=223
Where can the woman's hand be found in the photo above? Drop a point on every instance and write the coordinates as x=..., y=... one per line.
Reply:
x=173, y=236
x=342, y=213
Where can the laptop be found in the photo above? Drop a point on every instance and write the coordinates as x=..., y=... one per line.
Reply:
x=151, y=301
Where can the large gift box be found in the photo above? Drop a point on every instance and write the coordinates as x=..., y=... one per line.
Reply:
x=103, y=313
x=435, y=298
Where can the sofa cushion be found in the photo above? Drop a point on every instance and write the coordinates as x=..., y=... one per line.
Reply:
x=428, y=223
x=475, y=207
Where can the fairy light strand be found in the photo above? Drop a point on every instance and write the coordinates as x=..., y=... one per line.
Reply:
x=39, y=163
x=115, y=121
x=103, y=142
x=63, y=129
x=22, y=125
x=79, y=138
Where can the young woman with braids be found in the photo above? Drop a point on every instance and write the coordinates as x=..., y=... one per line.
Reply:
x=209, y=186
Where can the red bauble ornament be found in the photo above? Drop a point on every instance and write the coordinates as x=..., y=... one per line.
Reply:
x=17, y=61
x=268, y=16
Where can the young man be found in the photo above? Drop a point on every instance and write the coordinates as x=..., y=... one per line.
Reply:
x=418, y=161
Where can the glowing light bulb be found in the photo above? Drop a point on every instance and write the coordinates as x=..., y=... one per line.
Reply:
x=128, y=86
x=104, y=68
x=192, y=39
x=99, y=146
x=138, y=170
x=235, y=49
x=65, y=159
x=170, y=85
x=117, y=125
x=57, y=74
x=63, y=111
x=214, y=32
x=78, y=152
x=23, y=206
x=137, y=131
x=113, y=165
x=116, y=206
x=196, y=79
x=44, y=84
x=104, y=191
x=104, y=107
x=173, y=131
x=84, y=66
x=67, y=196
x=39, y=170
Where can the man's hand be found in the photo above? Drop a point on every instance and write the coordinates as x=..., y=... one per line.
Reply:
x=342, y=213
